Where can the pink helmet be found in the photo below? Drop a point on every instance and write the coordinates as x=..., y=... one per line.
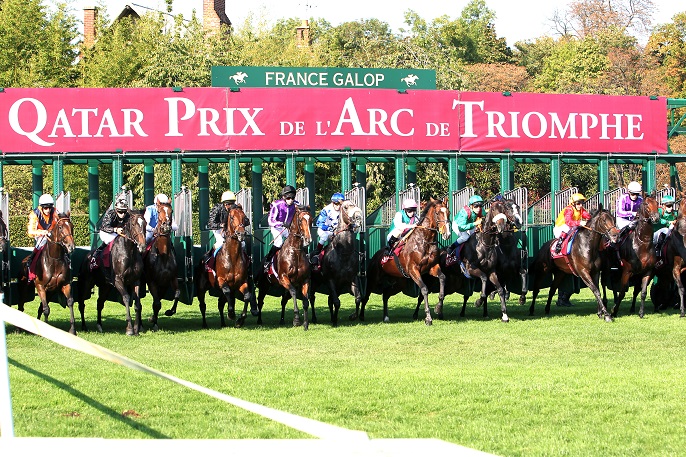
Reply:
x=409, y=203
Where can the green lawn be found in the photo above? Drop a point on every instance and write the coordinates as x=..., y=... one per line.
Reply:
x=568, y=384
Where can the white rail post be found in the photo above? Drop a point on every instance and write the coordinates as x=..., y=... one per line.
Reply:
x=6, y=424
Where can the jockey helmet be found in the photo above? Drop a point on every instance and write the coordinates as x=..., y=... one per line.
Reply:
x=475, y=199
x=162, y=199
x=409, y=203
x=228, y=196
x=577, y=198
x=288, y=191
x=667, y=199
x=46, y=200
x=337, y=197
x=634, y=188
x=121, y=203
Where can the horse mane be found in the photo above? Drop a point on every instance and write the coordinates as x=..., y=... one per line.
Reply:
x=427, y=207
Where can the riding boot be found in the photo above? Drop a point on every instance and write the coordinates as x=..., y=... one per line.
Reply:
x=389, y=247
x=268, y=258
x=452, y=248
x=314, y=255
x=558, y=246
x=659, y=244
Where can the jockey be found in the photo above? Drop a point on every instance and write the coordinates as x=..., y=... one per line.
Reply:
x=151, y=216
x=667, y=221
x=218, y=215
x=281, y=214
x=627, y=206
x=41, y=221
x=467, y=220
x=572, y=215
x=403, y=220
x=113, y=223
x=326, y=224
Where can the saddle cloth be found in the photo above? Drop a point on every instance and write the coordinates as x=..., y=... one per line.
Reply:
x=566, y=245
x=34, y=262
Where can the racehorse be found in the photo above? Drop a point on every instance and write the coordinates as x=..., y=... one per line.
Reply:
x=127, y=271
x=485, y=258
x=292, y=270
x=418, y=255
x=445, y=280
x=232, y=271
x=159, y=262
x=638, y=258
x=53, y=272
x=583, y=261
x=340, y=262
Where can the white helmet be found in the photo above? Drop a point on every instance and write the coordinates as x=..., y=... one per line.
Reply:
x=162, y=198
x=634, y=188
x=46, y=199
x=228, y=196
x=409, y=203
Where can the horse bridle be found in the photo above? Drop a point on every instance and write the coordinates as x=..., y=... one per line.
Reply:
x=436, y=219
x=234, y=229
x=60, y=239
x=163, y=228
x=297, y=220
x=131, y=223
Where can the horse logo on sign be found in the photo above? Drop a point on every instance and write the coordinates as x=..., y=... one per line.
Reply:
x=239, y=77
x=410, y=80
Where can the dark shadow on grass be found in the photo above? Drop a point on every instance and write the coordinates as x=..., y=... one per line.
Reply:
x=91, y=402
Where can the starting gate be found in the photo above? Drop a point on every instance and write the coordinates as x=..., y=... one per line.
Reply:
x=183, y=243
x=5, y=256
x=380, y=220
x=357, y=195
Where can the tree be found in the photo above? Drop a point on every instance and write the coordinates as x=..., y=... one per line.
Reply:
x=589, y=17
x=36, y=45
x=666, y=48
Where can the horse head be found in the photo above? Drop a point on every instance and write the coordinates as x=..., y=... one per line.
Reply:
x=603, y=223
x=497, y=219
x=235, y=223
x=436, y=215
x=351, y=215
x=647, y=212
x=300, y=226
x=62, y=233
x=135, y=230
x=164, y=219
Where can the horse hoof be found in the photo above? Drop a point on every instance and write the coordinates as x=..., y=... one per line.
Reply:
x=505, y=318
x=608, y=318
x=155, y=328
x=478, y=303
x=352, y=317
x=386, y=320
x=240, y=321
x=99, y=328
x=232, y=315
x=255, y=312
x=296, y=323
x=169, y=313
x=428, y=321
x=306, y=326
x=129, y=332
x=522, y=300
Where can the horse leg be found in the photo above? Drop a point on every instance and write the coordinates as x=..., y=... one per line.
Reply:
x=482, y=298
x=66, y=291
x=45, y=307
x=355, y=289
x=284, y=300
x=465, y=299
x=591, y=284
x=231, y=303
x=314, y=315
x=305, y=290
x=644, y=291
x=503, y=293
x=202, y=305
x=438, y=309
x=425, y=293
x=177, y=295
x=522, y=298
x=415, y=315
x=221, y=301
x=557, y=280
x=619, y=295
x=247, y=296
x=676, y=274
x=296, y=310
x=260, y=301
x=126, y=298
x=138, y=327
x=102, y=293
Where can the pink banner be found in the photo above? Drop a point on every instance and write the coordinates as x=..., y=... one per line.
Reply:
x=206, y=119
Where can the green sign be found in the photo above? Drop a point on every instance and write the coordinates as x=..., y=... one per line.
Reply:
x=339, y=78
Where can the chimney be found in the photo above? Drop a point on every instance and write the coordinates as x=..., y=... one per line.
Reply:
x=90, y=17
x=302, y=34
x=214, y=15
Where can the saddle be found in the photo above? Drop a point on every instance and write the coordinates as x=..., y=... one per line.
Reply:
x=31, y=268
x=455, y=257
x=102, y=258
x=394, y=253
x=566, y=245
x=211, y=260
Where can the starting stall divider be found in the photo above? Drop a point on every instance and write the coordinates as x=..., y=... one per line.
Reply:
x=358, y=195
x=183, y=245
x=5, y=255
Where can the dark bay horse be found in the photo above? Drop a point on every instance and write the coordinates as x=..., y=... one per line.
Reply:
x=491, y=255
x=159, y=262
x=340, y=263
x=419, y=255
x=638, y=258
x=292, y=270
x=232, y=271
x=583, y=261
x=678, y=248
x=127, y=272
x=53, y=272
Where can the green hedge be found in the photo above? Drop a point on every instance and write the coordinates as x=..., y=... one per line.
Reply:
x=19, y=237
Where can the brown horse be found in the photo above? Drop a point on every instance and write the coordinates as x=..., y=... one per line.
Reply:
x=232, y=271
x=419, y=255
x=340, y=263
x=53, y=272
x=638, y=258
x=127, y=272
x=159, y=262
x=292, y=270
x=583, y=261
